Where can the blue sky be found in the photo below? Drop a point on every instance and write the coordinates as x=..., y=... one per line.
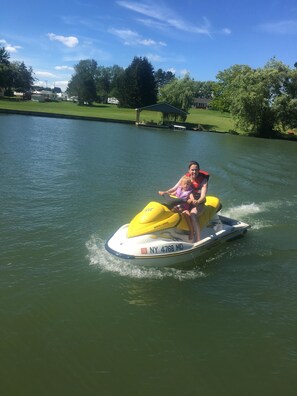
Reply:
x=195, y=36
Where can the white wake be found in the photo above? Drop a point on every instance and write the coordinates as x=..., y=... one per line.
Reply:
x=106, y=262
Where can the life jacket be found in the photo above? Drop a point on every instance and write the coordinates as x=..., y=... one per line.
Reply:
x=196, y=184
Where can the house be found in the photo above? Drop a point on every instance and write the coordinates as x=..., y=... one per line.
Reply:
x=19, y=95
x=44, y=96
x=201, y=103
x=113, y=101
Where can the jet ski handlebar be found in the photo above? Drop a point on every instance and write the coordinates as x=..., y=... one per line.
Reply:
x=170, y=201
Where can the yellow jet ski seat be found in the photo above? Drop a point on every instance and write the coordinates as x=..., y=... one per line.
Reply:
x=157, y=216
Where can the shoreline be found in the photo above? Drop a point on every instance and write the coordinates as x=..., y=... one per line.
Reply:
x=292, y=138
x=67, y=116
x=91, y=118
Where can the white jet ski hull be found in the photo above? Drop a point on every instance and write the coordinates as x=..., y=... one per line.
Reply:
x=171, y=246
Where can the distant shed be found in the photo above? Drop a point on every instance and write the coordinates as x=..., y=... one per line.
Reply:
x=164, y=108
x=201, y=103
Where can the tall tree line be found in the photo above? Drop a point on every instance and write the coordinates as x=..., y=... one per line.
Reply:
x=136, y=86
x=14, y=76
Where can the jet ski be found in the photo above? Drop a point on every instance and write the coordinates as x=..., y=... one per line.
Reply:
x=159, y=234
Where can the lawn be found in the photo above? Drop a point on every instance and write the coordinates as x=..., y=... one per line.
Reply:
x=208, y=119
x=211, y=120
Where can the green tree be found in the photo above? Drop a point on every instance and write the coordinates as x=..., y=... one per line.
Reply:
x=4, y=56
x=285, y=109
x=116, y=73
x=261, y=101
x=14, y=76
x=163, y=77
x=103, y=81
x=137, y=86
x=4, y=68
x=203, y=89
x=178, y=93
x=23, y=77
x=223, y=89
x=83, y=82
x=106, y=81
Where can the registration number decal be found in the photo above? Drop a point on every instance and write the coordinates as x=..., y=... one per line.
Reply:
x=163, y=249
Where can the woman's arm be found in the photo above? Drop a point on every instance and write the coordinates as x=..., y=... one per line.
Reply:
x=202, y=195
x=191, y=198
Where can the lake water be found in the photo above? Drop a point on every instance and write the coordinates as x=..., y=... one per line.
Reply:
x=77, y=321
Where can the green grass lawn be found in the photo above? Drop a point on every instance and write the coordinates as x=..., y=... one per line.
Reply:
x=209, y=119
x=69, y=108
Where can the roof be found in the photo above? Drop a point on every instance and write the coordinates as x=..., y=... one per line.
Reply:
x=202, y=100
x=163, y=108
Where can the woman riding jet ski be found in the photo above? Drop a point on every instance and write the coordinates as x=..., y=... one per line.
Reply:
x=199, y=186
x=160, y=235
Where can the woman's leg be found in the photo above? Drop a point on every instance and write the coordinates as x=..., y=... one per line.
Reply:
x=195, y=214
x=195, y=225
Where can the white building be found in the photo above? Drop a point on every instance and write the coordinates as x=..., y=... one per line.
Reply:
x=113, y=101
x=45, y=96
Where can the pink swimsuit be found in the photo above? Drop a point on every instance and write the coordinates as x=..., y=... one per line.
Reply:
x=184, y=195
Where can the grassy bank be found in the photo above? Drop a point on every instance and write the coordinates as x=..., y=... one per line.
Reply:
x=208, y=119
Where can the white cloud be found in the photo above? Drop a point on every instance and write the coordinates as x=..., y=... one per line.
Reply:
x=163, y=17
x=44, y=74
x=146, y=42
x=184, y=72
x=51, y=84
x=64, y=68
x=127, y=36
x=9, y=47
x=204, y=28
x=12, y=49
x=152, y=23
x=145, y=9
x=41, y=83
x=281, y=27
x=155, y=58
x=69, y=41
x=61, y=84
x=133, y=38
x=226, y=31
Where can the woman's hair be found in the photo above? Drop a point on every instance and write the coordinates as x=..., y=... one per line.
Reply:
x=193, y=163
